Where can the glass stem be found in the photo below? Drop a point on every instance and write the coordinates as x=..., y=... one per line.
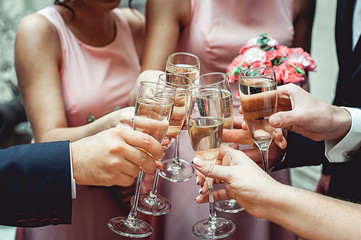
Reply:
x=153, y=192
x=264, y=155
x=176, y=150
x=212, y=211
x=132, y=216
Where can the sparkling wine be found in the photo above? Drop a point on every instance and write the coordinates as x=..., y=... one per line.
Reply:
x=228, y=109
x=259, y=101
x=189, y=71
x=206, y=137
x=152, y=116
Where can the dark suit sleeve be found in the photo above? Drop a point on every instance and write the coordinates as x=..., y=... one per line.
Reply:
x=35, y=185
x=302, y=151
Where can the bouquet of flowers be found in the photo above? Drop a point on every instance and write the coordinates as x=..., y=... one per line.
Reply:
x=290, y=64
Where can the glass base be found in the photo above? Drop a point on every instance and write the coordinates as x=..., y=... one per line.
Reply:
x=174, y=172
x=228, y=206
x=218, y=229
x=155, y=207
x=134, y=228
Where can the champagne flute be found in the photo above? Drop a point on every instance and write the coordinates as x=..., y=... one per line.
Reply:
x=187, y=65
x=205, y=127
x=258, y=96
x=153, y=111
x=152, y=203
x=172, y=170
x=220, y=80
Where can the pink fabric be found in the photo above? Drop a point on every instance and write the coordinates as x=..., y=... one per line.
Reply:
x=94, y=81
x=219, y=28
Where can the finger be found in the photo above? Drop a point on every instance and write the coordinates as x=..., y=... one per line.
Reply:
x=239, y=136
x=211, y=170
x=237, y=122
x=285, y=119
x=145, y=142
x=139, y=158
x=121, y=179
x=218, y=195
x=200, y=178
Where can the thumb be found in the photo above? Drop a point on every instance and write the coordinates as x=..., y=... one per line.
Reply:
x=211, y=170
x=283, y=119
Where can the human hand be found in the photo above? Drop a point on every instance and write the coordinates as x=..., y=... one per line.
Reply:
x=303, y=113
x=237, y=134
x=114, y=157
x=245, y=182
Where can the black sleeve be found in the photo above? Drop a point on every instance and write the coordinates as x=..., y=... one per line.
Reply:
x=35, y=185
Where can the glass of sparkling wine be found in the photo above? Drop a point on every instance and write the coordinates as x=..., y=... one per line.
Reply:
x=220, y=80
x=205, y=127
x=152, y=203
x=177, y=169
x=258, y=96
x=153, y=112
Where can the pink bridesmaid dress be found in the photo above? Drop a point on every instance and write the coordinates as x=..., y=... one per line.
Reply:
x=219, y=28
x=94, y=82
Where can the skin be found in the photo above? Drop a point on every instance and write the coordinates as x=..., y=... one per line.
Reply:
x=114, y=157
x=39, y=80
x=307, y=214
x=166, y=21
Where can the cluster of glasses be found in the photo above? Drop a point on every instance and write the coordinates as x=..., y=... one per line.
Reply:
x=203, y=103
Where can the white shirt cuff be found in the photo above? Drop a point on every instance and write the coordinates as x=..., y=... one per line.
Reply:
x=72, y=180
x=342, y=151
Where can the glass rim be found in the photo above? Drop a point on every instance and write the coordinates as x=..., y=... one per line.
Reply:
x=142, y=83
x=176, y=84
x=211, y=73
x=184, y=53
x=272, y=72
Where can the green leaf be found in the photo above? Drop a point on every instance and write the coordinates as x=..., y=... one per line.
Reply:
x=298, y=69
x=236, y=70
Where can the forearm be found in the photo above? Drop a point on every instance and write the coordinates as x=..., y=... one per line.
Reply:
x=76, y=133
x=311, y=215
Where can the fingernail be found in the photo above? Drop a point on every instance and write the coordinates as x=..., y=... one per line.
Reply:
x=197, y=180
x=276, y=120
x=198, y=162
x=200, y=190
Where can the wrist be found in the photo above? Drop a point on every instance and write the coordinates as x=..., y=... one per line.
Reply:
x=341, y=120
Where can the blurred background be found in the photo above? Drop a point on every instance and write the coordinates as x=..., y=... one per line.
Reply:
x=322, y=82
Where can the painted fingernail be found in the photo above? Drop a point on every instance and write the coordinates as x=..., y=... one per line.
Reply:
x=200, y=190
x=198, y=162
x=197, y=179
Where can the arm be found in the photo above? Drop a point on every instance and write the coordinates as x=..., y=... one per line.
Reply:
x=164, y=21
x=304, y=12
x=308, y=214
x=39, y=82
x=35, y=184
x=35, y=178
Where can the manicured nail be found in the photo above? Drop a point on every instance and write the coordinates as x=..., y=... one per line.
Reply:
x=200, y=190
x=197, y=179
x=198, y=162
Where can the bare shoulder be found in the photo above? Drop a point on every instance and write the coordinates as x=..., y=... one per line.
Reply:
x=36, y=32
x=135, y=19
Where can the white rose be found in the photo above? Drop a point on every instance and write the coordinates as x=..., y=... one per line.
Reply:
x=254, y=54
x=298, y=58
